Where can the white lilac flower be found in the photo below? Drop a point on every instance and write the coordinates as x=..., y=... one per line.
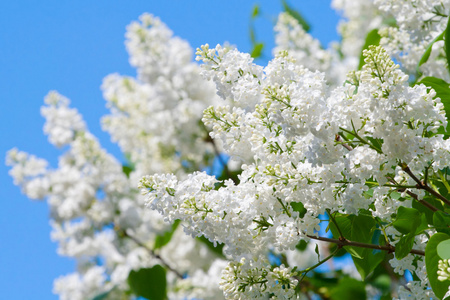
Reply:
x=94, y=205
x=287, y=139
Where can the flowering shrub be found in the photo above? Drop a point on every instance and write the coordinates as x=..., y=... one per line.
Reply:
x=353, y=138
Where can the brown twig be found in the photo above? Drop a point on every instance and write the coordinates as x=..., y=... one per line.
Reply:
x=345, y=242
x=414, y=196
x=424, y=186
x=150, y=251
x=345, y=145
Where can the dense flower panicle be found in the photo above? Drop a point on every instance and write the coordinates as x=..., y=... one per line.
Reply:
x=308, y=52
x=234, y=73
x=359, y=18
x=315, y=132
x=443, y=270
x=62, y=122
x=78, y=287
x=153, y=49
x=94, y=204
x=256, y=279
x=291, y=37
x=27, y=171
x=418, y=23
x=406, y=28
x=287, y=141
x=155, y=118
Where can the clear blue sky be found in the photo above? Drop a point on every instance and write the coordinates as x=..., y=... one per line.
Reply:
x=70, y=46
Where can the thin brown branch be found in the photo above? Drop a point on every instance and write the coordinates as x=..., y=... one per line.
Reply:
x=423, y=202
x=333, y=220
x=150, y=251
x=414, y=196
x=424, y=186
x=345, y=242
x=345, y=145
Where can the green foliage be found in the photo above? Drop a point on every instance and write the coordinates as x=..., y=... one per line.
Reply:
x=447, y=42
x=383, y=282
x=425, y=210
x=441, y=222
x=366, y=265
x=359, y=229
x=298, y=206
x=164, y=239
x=296, y=15
x=408, y=219
x=349, y=225
x=301, y=246
x=404, y=246
x=127, y=166
x=101, y=296
x=257, y=47
x=227, y=174
x=126, y=169
x=427, y=52
x=255, y=11
x=218, y=249
x=431, y=260
x=348, y=288
x=373, y=38
x=443, y=249
x=149, y=283
x=257, y=50
x=410, y=222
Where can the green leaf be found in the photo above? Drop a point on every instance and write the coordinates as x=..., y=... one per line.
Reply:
x=128, y=166
x=164, y=239
x=443, y=249
x=345, y=225
x=423, y=225
x=348, y=288
x=431, y=262
x=217, y=249
x=257, y=50
x=427, y=52
x=447, y=43
x=101, y=296
x=149, y=283
x=358, y=229
x=441, y=221
x=370, y=261
x=299, y=207
x=440, y=86
x=372, y=38
x=255, y=11
x=227, y=174
x=408, y=219
x=405, y=245
x=296, y=15
x=317, y=252
x=362, y=231
x=425, y=210
x=301, y=246
x=127, y=170
x=383, y=282
x=320, y=281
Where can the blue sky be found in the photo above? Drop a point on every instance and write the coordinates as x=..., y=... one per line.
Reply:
x=70, y=46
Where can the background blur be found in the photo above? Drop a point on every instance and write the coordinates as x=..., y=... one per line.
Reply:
x=70, y=46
